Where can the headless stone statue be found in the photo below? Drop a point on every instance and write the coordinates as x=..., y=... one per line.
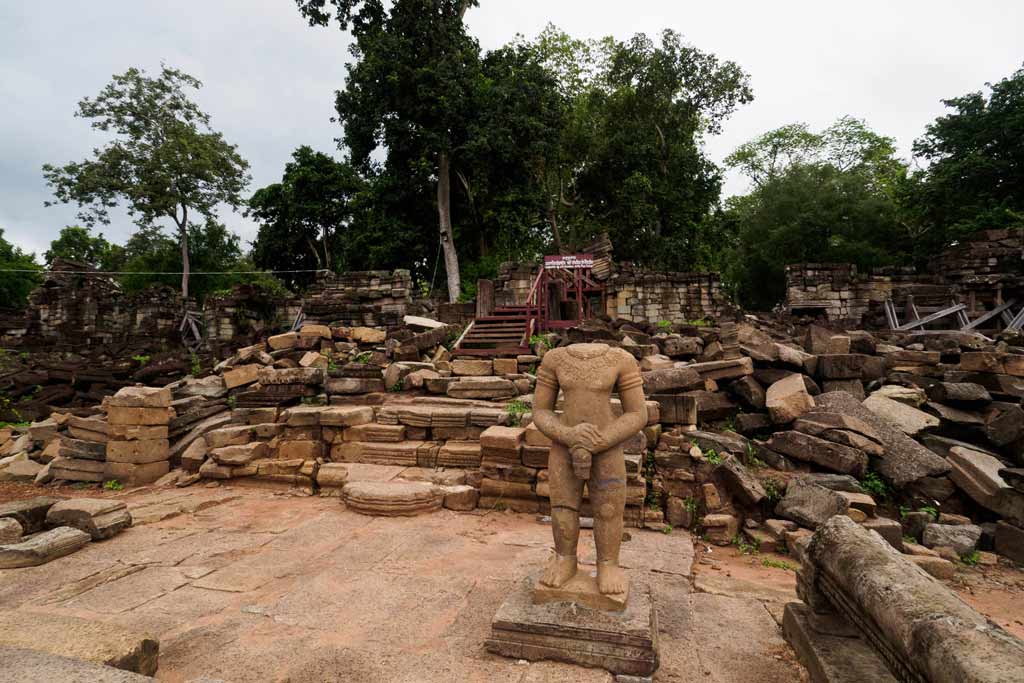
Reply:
x=588, y=449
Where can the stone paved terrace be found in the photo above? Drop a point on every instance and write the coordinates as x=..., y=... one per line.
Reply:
x=249, y=585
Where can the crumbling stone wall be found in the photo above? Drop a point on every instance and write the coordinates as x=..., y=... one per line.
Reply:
x=981, y=272
x=632, y=293
x=244, y=315
x=642, y=296
x=373, y=298
x=74, y=311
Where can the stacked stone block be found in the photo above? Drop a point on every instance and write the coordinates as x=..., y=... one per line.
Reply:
x=138, y=451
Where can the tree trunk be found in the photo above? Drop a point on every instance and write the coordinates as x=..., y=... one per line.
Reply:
x=183, y=231
x=444, y=211
x=553, y=220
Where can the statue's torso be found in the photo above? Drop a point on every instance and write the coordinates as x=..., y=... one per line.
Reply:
x=587, y=374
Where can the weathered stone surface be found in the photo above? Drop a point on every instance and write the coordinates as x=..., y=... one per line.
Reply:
x=749, y=392
x=907, y=419
x=279, y=342
x=831, y=657
x=788, y=399
x=353, y=385
x=671, y=379
x=914, y=397
x=977, y=475
x=81, y=639
x=273, y=376
x=905, y=460
x=30, y=513
x=139, y=416
x=460, y=497
x=140, y=397
x=236, y=456
x=138, y=452
x=22, y=664
x=464, y=367
x=621, y=642
x=393, y=498
x=955, y=416
x=194, y=456
x=841, y=366
x=741, y=483
x=136, y=475
x=723, y=369
x=675, y=346
x=241, y=375
x=962, y=538
x=20, y=469
x=88, y=428
x=84, y=450
x=344, y=416
x=10, y=531
x=959, y=393
x=961, y=646
x=1009, y=541
x=100, y=518
x=827, y=454
x=809, y=504
x=42, y=548
x=720, y=529
x=482, y=387
x=138, y=432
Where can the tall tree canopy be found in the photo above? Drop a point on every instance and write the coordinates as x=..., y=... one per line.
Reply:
x=974, y=174
x=76, y=243
x=164, y=161
x=408, y=90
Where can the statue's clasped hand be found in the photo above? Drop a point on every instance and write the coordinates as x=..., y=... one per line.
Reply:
x=588, y=436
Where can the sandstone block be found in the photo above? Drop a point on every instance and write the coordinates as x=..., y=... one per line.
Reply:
x=241, y=375
x=346, y=416
x=463, y=367
x=301, y=450
x=810, y=505
x=138, y=452
x=117, y=415
x=140, y=397
x=235, y=456
x=461, y=497
x=100, y=518
x=136, y=475
x=788, y=399
x=272, y=376
x=482, y=388
x=41, y=548
x=279, y=342
x=138, y=432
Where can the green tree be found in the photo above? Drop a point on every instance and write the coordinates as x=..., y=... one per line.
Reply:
x=306, y=219
x=16, y=286
x=164, y=161
x=408, y=91
x=974, y=174
x=76, y=243
x=645, y=178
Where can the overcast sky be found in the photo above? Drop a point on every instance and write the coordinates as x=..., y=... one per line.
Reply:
x=269, y=79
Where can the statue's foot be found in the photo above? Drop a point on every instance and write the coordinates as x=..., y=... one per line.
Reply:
x=560, y=569
x=611, y=579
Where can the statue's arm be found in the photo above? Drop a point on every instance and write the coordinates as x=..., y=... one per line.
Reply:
x=634, y=406
x=544, y=396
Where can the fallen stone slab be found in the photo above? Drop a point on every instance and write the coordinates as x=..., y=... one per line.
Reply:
x=905, y=460
x=810, y=505
x=1009, y=541
x=977, y=475
x=907, y=419
x=788, y=399
x=22, y=664
x=827, y=454
x=482, y=387
x=101, y=518
x=671, y=379
x=10, y=530
x=140, y=397
x=962, y=538
x=29, y=513
x=924, y=630
x=831, y=648
x=964, y=394
x=392, y=498
x=82, y=639
x=43, y=547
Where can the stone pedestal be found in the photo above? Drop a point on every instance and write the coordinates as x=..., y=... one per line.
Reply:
x=582, y=590
x=622, y=642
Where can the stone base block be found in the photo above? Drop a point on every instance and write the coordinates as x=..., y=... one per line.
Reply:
x=581, y=589
x=621, y=642
x=831, y=648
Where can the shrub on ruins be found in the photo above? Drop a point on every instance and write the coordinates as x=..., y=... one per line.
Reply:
x=16, y=286
x=76, y=243
x=974, y=167
x=163, y=161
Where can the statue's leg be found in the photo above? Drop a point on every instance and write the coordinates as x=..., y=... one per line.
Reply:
x=607, y=488
x=566, y=498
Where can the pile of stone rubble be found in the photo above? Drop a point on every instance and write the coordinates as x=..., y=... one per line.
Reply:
x=757, y=433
